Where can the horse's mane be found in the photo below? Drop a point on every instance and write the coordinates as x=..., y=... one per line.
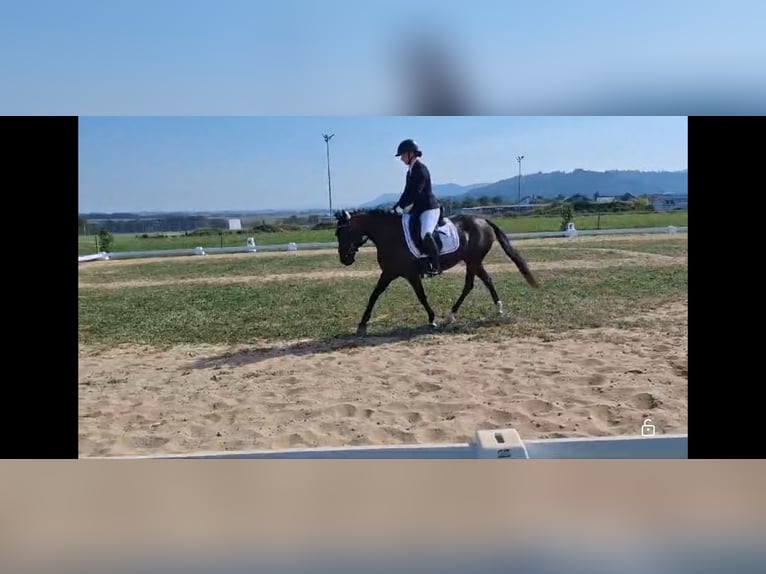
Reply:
x=377, y=211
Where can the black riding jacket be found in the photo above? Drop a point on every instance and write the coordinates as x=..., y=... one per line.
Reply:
x=417, y=190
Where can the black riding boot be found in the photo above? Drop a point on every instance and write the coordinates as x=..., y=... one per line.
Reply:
x=429, y=244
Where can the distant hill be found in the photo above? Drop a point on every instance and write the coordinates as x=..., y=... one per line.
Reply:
x=546, y=185
x=440, y=189
x=553, y=184
x=579, y=181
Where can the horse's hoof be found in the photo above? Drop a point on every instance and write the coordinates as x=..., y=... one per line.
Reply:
x=361, y=331
x=450, y=317
x=500, y=308
x=433, y=324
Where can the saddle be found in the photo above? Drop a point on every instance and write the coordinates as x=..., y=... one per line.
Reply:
x=415, y=230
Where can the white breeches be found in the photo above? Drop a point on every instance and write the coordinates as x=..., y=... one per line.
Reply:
x=428, y=221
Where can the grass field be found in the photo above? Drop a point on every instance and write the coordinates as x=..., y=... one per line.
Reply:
x=255, y=265
x=130, y=242
x=231, y=313
x=672, y=248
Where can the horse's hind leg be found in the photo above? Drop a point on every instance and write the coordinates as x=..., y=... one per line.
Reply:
x=467, y=287
x=417, y=285
x=487, y=280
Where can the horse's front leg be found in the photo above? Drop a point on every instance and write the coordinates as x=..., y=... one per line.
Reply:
x=417, y=285
x=467, y=288
x=383, y=281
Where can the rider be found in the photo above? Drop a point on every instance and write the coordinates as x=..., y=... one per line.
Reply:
x=418, y=197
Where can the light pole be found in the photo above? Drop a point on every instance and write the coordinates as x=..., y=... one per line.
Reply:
x=518, y=159
x=329, y=185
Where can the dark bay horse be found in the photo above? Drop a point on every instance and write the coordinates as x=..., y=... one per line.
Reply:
x=385, y=230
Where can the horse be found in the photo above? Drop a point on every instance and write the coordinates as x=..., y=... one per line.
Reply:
x=460, y=238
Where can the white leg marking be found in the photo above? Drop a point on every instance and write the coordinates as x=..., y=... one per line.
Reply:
x=500, y=308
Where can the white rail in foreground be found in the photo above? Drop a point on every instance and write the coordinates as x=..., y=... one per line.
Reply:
x=103, y=256
x=487, y=444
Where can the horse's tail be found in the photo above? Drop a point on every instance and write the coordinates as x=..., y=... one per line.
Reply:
x=511, y=252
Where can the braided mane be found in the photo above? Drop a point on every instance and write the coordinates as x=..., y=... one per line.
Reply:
x=376, y=211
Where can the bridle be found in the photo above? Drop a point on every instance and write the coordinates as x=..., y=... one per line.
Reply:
x=354, y=247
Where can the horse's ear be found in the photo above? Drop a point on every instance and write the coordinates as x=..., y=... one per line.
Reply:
x=342, y=217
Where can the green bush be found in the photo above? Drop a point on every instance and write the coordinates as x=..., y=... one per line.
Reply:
x=105, y=240
x=567, y=215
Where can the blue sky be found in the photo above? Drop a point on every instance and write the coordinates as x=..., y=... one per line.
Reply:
x=220, y=163
x=345, y=57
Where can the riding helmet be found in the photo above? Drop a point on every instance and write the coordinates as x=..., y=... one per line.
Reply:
x=408, y=145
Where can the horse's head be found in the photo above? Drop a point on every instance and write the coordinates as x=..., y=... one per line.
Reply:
x=350, y=239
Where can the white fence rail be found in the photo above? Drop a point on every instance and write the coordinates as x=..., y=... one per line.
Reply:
x=104, y=256
x=499, y=443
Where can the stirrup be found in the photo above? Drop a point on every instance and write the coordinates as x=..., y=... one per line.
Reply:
x=433, y=271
